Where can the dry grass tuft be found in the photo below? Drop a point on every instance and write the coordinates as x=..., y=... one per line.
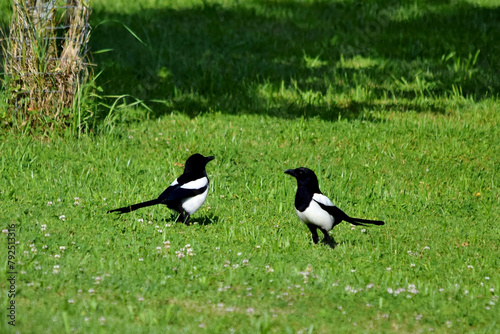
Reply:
x=45, y=60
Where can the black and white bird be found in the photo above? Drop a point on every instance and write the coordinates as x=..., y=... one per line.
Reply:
x=186, y=194
x=316, y=210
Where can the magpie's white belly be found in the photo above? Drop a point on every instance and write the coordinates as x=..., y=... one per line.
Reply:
x=191, y=204
x=315, y=215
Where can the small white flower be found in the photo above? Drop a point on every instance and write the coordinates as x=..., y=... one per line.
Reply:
x=5, y=231
x=388, y=268
x=141, y=259
x=470, y=267
x=412, y=265
x=71, y=301
x=140, y=220
x=62, y=217
x=49, y=203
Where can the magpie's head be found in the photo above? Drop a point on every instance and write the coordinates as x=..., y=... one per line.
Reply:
x=304, y=176
x=197, y=162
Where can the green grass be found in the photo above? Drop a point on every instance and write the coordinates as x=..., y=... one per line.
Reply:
x=432, y=178
x=402, y=126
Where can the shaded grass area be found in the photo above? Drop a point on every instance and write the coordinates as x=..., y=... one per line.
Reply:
x=298, y=58
x=253, y=268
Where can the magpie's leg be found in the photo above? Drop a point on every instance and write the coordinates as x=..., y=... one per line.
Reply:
x=314, y=233
x=183, y=218
x=328, y=239
x=186, y=220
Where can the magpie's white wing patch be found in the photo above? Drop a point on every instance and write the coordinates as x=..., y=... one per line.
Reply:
x=196, y=184
x=320, y=198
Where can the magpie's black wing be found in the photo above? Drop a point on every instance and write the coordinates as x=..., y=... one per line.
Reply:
x=340, y=215
x=176, y=193
x=328, y=206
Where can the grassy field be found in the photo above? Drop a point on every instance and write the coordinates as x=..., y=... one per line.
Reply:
x=396, y=112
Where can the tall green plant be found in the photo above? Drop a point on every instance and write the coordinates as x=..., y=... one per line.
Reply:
x=45, y=64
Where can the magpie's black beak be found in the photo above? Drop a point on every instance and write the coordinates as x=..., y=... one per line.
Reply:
x=210, y=158
x=291, y=172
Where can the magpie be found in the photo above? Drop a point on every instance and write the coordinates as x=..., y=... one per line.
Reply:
x=186, y=194
x=316, y=210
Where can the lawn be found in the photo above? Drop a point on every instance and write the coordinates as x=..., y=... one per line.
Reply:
x=396, y=109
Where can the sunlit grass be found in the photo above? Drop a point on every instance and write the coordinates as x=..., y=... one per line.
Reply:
x=249, y=264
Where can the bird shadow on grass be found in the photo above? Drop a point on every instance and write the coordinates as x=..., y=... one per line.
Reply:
x=205, y=220
x=198, y=220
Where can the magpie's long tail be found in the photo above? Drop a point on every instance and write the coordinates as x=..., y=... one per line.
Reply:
x=362, y=222
x=134, y=207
